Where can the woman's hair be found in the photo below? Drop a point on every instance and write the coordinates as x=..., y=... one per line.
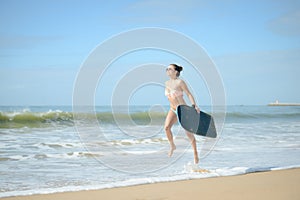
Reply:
x=178, y=69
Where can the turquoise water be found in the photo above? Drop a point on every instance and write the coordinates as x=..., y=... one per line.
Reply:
x=43, y=150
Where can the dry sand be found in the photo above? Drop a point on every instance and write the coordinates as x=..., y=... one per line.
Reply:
x=273, y=185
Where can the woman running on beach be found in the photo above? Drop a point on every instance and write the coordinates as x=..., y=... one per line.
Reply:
x=174, y=89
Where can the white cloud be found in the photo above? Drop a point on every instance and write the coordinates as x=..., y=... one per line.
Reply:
x=24, y=41
x=287, y=24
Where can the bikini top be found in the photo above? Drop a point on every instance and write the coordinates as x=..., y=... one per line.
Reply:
x=174, y=93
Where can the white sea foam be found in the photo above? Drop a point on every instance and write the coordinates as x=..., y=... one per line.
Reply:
x=193, y=174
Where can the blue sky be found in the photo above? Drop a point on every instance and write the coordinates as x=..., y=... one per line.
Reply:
x=254, y=44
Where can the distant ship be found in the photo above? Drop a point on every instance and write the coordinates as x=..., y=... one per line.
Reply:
x=276, y=103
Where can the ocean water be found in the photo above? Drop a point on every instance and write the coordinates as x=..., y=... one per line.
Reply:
x=50, y=149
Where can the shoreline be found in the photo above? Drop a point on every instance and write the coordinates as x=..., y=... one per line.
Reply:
x=278, y=184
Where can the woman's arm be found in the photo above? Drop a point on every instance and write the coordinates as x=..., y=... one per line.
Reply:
x=189, y=95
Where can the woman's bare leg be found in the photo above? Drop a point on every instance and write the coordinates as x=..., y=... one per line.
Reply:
x=170, y=120
x=194, y=145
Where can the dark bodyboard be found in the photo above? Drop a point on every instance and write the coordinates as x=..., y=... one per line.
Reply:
x=199, y=124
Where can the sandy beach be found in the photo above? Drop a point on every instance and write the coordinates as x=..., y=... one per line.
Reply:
x=281, y=184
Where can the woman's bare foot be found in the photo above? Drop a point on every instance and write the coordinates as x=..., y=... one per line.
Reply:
x=173, y=147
